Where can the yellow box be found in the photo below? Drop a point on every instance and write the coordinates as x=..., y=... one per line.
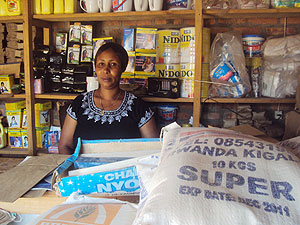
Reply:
x=15, y=138
x=42, y=118
x=43, y=106
x=24, y=138
x=145, y=40
x=14, y=118
x=41, y=136
x=15, y=105
x=6, y=82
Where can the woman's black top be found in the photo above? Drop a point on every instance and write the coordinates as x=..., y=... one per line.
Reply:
x=122, y=123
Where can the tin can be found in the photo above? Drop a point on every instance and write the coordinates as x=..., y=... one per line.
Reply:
x=168, y=46
x=167, y=70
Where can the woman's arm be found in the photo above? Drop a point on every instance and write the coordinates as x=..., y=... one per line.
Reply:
x=65, y=145
x=149, y=130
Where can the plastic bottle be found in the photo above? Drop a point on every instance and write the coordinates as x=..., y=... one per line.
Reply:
x=14, y=7
x=3, y=138
x=3, y=11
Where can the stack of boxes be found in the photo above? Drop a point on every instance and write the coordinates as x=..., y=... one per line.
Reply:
x=141, y=48
x=14, y=113
x=15, y=46
x=17, y=122
x=1, y=44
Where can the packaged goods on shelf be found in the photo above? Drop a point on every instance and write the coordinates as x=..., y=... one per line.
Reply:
x=14, y=118
x=58, y=7
x=145, y=40
x=179, y=4
x=14, y=53
x=24, y=138
x=15, y=105
x=167, y=70
x=128, y=39
x=24, y=119
x=86, y=53
x=280, y=66
x=41, y=136
x=15, y=45
x=168, y=46
x=14, y=7
x=228, y=67
x=74, y=33
x=70, y=6
x=15, y=138
x=252, y=45
x=12, y=27
x=6, y=82
x=86, y=34
x=131, y=65
x=145, y=64
x=46, y=7
x=187, y=72
x=73, y=54
x=61, y=42
x=14, y=36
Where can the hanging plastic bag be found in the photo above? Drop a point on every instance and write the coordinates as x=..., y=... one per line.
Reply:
x=227, y=67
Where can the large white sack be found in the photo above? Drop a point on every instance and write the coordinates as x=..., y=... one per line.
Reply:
x=215, y=176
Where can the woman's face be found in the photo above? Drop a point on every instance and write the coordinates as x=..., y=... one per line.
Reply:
x=108, y=69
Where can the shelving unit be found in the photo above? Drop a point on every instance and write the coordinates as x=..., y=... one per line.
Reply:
x=198, y=15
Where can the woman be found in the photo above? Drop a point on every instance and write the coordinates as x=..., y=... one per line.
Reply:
x=108, y=112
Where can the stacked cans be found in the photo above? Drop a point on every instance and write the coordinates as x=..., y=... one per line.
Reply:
x=176, y=58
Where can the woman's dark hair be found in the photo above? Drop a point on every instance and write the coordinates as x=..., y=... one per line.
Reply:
x=118, y=49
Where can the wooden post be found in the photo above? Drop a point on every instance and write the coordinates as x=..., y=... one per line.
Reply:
x=29, y=80
x=198, y=63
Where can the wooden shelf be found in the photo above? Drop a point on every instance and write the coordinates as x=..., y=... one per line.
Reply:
x=11, y=19
x=13, y=151
x=9, y=96
x=62, y=96
x=133, y=15
x=251, y=100
x=251, y=13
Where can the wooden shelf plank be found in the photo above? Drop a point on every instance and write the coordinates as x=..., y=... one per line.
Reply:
x=250, y=13
x=13, y=151
x=62, y=96
x=9, y=96
x=133, y=15
x=11, y=19
x=250, y=100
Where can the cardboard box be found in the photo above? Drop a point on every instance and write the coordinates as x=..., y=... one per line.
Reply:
x=15, y=138
x=43, y=106
x=41, y=136
x=11, y=53
x=15, y=105
x=128, y=39
x=145, y=65
x=145, y=40
x=24, y=138
x=14, y=118
x=6, y=82
x=15, y=45
x=42, y=118
x=117, y=178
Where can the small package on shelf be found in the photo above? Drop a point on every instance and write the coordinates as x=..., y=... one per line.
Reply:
x=24, y=119
x=86, y=53
x=24, y=138
x=6, y=82
x=15, y=138
x=131, y=64
x=74, y=33
x=73, y=54
x=42, y=114
x=128, y=39
x=61, y=42
x=145, y=64
x=145, y=40
x=15, y=105
x=41, y=136
x=86, y=34
x=14, y=118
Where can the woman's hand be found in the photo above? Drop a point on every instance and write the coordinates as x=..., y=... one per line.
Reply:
x=65, y=145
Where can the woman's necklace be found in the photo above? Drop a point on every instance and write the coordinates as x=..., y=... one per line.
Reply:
x=111, y=105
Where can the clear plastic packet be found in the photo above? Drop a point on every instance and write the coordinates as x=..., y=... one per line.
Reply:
x=227, y=67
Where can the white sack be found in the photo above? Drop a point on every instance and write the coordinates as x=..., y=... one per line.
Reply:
x=215, y=176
